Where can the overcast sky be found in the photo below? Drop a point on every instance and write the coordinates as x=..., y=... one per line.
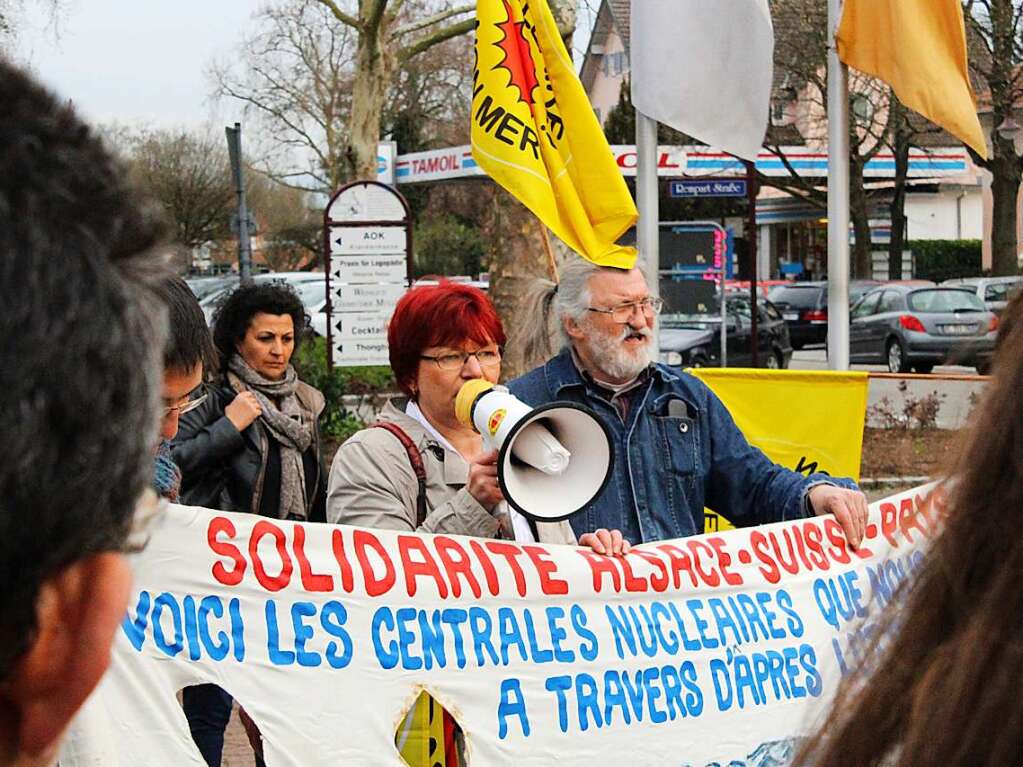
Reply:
x=143, y=62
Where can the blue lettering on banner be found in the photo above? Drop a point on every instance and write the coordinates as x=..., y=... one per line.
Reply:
x=303, y=633
x=167, y=602
x=333, y=617
x=278, y=656
x=513, y=703
x=215, y=605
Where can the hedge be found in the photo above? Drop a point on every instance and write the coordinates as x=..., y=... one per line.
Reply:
x=939, y=260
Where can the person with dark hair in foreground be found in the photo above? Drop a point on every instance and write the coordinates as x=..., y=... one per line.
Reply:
x=251, y=445
x=187, y=356
x=78, y=409
x=944, y=687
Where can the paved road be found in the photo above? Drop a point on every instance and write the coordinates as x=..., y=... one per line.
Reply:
x=957, y=396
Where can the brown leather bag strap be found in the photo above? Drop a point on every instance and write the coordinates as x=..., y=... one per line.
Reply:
x=417, y=466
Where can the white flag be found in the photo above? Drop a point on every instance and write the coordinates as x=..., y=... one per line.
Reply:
x=705, y=68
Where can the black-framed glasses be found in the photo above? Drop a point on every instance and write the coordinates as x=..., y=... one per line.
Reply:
x=622, y=313
x=455, y=360
x=187, y=407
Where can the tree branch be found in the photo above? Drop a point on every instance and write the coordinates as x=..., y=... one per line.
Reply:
x=437, y=18
x=337, y=13
x=436, y=38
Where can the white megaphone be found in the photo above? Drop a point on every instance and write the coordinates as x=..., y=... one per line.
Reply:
x=552, y=460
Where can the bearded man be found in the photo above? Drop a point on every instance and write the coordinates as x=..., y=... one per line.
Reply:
x=676, y=447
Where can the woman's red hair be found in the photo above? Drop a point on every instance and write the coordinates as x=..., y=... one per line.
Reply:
x=448, y=314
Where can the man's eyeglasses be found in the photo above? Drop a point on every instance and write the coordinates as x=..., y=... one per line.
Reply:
x=455, y=360
x=623, y=312
x=186, y=407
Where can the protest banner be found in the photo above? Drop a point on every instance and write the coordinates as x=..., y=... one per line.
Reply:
x=716, y=649
x=805, y=420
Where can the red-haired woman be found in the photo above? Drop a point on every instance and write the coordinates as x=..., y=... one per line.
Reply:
x=440, y=337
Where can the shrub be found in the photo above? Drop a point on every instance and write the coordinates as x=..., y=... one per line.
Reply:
x=372, y=383
x=939, y=260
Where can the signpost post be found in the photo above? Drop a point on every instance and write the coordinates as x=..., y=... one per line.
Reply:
x=367, y=251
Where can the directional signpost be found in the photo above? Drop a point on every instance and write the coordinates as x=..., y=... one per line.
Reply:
x=368, y=254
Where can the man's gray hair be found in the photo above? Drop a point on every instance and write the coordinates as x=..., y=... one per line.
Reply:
x=546, y=305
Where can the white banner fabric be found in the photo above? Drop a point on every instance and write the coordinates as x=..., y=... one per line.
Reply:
x=716, y=649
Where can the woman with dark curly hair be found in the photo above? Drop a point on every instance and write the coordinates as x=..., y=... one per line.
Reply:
x=252, y=446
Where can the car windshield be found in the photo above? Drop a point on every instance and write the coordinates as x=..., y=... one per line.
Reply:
x=798, y=296
x=207, y=286
x=944, y=301
x=1001, y=291
x=311, y=292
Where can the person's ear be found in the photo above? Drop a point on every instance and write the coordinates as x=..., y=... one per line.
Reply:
x=77, y=611
x=573, y=328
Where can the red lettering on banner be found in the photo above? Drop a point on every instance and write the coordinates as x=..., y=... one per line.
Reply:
x=760, y=546
x=310, y=581
x=711, y=578
x=600, y=566
x=724, y=560
x=658, y=580
x=279, y=581
x=227, y=577
x=545, y=569
x=489, y=571
x=626, y=160
x=633, y=585
x=814, y=537
x=456, y=566
x=362, y=542
x=510, y=551
x=679, y=562
x=889, y=523
x=664, y=161
x=338, y=544
x=407, y=544
x=909, y=519
x=839, y=550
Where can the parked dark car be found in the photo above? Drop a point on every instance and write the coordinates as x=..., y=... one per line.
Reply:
x=910, y=327
x=694, y=340
x=804, y=306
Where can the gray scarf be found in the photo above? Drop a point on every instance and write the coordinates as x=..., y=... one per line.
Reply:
x=282, y=417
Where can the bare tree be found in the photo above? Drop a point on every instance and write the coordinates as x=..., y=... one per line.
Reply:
x=187, y=174
x=996, y=56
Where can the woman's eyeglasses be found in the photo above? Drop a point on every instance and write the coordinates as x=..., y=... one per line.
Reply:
x=186, y=407
x=455, y=360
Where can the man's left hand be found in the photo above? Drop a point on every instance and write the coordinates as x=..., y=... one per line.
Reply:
x=848, y=506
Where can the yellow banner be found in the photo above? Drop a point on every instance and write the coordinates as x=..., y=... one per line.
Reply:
x=806, y=420
x=919, y=48
x=534, y=132
x=421, y=738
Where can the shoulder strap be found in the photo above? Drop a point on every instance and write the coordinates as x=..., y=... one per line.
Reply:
x=417, y=465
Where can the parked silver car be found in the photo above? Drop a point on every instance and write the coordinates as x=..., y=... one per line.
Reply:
x=310, y=286
x=909, y=327
x=995, y=292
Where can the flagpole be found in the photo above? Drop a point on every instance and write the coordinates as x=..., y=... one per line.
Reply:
x=649, y=211
x=838, y=198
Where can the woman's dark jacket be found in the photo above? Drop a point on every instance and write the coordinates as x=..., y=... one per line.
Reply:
x=229, y=470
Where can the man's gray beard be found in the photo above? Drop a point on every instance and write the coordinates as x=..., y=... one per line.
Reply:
x=613, y=359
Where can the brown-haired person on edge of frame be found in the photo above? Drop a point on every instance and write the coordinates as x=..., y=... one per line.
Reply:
x=945, y=688
x=79, y=385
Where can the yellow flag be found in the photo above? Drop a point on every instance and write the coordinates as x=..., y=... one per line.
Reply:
x=534, y=132
x=806, y=420
x=919, y=48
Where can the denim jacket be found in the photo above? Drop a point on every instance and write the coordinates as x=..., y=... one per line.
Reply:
x=672, y=460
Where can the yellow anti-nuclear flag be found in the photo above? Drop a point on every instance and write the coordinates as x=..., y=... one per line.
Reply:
x=805, y=420
x=534, y=132
x=919, y=48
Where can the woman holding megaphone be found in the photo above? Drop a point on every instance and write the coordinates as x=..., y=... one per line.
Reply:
x=420, y=467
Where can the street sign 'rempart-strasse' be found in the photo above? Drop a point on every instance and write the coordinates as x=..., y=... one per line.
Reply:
x=709, y=188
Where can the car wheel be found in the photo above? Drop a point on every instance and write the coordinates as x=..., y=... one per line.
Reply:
x=923, y=368
x=895, y=356
x=698, y=360
x=773, y=361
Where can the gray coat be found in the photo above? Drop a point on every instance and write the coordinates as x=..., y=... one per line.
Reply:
x=372, y=484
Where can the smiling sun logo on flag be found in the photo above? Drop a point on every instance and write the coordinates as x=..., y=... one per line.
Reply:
x=517, y=57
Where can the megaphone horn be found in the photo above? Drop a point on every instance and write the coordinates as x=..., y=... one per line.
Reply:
x=553, y=460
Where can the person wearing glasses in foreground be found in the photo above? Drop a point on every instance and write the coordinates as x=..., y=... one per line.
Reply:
x=439, y=337
x=677, y=448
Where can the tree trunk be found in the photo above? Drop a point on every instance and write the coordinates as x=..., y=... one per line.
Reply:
x=375, y=66
x=1004, y=192
x=897, y=208
x=859, y=213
